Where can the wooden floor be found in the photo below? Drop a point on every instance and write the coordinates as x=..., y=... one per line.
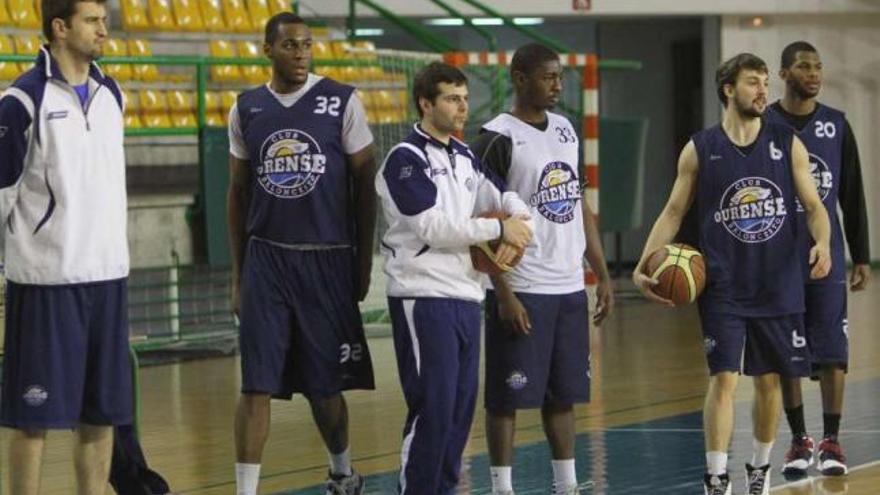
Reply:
x=648, y=368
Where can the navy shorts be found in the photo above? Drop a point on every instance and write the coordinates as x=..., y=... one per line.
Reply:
x=67, y=359
x=826, y=325
x=755, y=345
x=437, y=344
x=551, y=364
x=301, y=329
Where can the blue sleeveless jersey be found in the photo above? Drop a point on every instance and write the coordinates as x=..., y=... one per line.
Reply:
x=747, y=224
x=301, y=184
x=823, y=138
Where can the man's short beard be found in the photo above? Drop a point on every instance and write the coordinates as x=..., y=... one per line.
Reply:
x=747, y=110
x=800, y=91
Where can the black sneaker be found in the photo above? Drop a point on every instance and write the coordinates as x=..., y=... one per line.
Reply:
x=799, y=457
x=345, y=485
x=832, y=462
x=758, y=480
x=717, y=484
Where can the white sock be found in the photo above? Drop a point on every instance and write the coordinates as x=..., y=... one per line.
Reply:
x=716, y=462
x=501, y=479
x=341, y=463
x=564, y=475
x=761, y=453
x=247, y=478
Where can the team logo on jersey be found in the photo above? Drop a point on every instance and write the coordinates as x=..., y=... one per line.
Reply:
x=558, y=193
x=517, y=380
x=822, y=177
x=35, y=396
x=752, y=209
x=291, y=164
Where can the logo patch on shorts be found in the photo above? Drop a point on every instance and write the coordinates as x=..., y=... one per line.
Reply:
x=35, y=396
x=709, y=345
x=517, y=380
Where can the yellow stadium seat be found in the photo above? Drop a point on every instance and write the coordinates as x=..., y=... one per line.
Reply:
x=142, y=72
x=212, y=16
x=132, y=110
x=212, y=101
x=27, y=45
x=236, y=16
x=278, y=6
x=160, y=15
x=340, y=49
x=321, y=50
x=366, y=98
x=253, y=74
x=259, y=13
x=134, y=15
x=366, y=50
x=5, y=20
x=154, y=108
x=227, y=99
x=182, y=109
x=23, y=13
x=349, y=74
x=187, y=15
x=116, y=48
x=382, y=99
x=213, y=113
x=8, y=70
x=223, y=73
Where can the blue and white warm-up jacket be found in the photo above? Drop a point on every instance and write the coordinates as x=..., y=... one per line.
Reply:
x=62, y=178
x=431, y=193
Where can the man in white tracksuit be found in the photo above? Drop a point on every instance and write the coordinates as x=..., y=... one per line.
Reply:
x=432, y=189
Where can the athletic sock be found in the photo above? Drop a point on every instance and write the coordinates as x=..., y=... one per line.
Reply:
x=247, y=478
x=501, y=479
x=564, y=475
x=340, y=464
x=832, y=425
x=795, y=417
x=761, y=453
x=716, y=463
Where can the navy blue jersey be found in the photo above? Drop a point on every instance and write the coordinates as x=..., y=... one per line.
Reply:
x=823, y=138
x=747, y=224
x=301, y=182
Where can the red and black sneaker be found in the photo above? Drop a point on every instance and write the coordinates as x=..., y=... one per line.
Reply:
x=799, y=457
x=832, y=462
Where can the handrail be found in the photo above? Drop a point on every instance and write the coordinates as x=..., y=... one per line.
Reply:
x=433, y=41
x=201, y=64
x=531, y=33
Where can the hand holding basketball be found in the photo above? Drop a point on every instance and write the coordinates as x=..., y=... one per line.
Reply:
x=498, y=256
x=674, y=275
x=516, y=232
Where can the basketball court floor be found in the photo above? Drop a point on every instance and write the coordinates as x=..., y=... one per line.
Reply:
x=640, y=435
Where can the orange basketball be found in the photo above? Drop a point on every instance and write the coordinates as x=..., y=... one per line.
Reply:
x=483, y=254
x=680, y=271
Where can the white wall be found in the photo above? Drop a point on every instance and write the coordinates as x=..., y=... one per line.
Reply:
x=421, y=8
x=849, y=45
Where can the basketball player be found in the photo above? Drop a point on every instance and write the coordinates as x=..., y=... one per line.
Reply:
x=63, y=206
x=834, y=164
x=744, y=175
x=301, y=168
x=431, y=187
x=537, y=333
